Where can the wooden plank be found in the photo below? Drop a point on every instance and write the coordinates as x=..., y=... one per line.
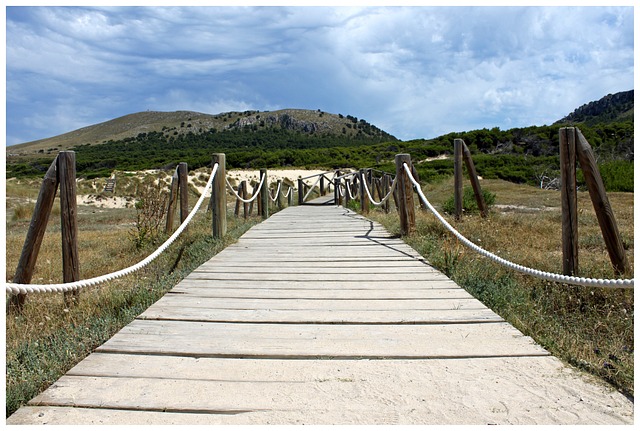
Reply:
x=330, y=304
x=245, y=289
x=320, y=316
x=315, y=341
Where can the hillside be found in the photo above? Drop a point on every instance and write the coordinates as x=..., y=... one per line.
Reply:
x=174, y=124
x=611, y=108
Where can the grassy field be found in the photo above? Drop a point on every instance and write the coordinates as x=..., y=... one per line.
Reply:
x=48, y=338
x=589, y=328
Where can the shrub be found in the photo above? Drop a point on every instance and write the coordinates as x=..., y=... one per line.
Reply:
x=150, y=211
x=469, y=203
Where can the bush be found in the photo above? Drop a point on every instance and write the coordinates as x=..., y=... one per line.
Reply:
x=150, y=211
x=469, y=203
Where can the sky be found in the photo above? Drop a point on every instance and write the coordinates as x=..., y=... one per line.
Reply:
x=415, y=72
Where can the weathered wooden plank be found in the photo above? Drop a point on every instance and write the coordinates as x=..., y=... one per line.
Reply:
x=316, y=341
x=284, y=276
x=321, y=316
x=252, y=290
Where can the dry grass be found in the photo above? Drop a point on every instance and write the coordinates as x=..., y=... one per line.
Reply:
x=588, y=327
x=48, y=338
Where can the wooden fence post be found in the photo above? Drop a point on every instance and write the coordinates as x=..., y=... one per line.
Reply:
x=236, y=211
x=69, y=221
x=322, y=185
x=347, y=190
x=457, y=178
x=385, y=190
x=405, y=195
x=568, y=196
x=475, y=183
x=173, y=197
x=336, y=190
x=279, y=196
x=364, y=198
x=219, y=198
x=264, y=195
x=183, y=181
x=33, y=241
x=245, y=205
x=601, y=205
x=300, y=191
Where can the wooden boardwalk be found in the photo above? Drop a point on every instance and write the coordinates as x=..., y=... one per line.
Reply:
x=318, y=316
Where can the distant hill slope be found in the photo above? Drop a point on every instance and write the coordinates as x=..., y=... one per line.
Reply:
x=611, y=108
x=183, y=122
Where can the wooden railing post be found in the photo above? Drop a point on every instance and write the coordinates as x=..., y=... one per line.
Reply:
x=173, y=198
x=475, y=183
x=364, y=198
x=321, y=185
x=457, y=178
x=568, y=196
x=245, y=205
x=183, y=180
x=236, y=210
x=336, y=189
x=219, y=198
x=601, y=205
x=347, y=190
x=69, y=221
x=406, y=207
x=264, y=194
x=300, y=191
x=33, y=241
x=386, y=184
x=279, y=196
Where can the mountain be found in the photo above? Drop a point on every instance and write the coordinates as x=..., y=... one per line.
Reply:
x=611, y=108
x=173, y=124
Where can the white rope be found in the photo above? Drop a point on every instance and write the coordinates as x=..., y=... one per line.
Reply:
x=311, y=189
x=386, y=198
x=348, y=188
x=534, y=272
x=277, y=192
x=288, y=192
x=15, y=288
x=246, y=201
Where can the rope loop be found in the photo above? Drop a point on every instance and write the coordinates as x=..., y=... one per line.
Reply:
x=253, y=198
x=386, y=198
x=581, y=281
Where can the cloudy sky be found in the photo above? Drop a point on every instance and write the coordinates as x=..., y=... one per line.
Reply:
x=416, y=72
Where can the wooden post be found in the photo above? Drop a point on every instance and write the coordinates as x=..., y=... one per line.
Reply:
x=236, y=211
x=183, y=181
x=405, y=196
x=69, y=221
x=290, y=196
x=33, y=241
x=264, y=194
x=569, y=200
x=279, y=196
x=347, y=190
x=300, y=191
x=219, y=198
x=457, y=177
x=336, y=190
x=173, y=197
x=601, y=205
x=385, y=190
x=364, y=198
x=475, y=183
x=321, y=185
x=253, y=193
x=245, y=205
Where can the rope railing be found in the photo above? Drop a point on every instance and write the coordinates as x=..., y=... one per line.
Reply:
x=247, y=201
x=275, y=198
x=590, y=282
x=386, y=198
x=15, y=288
x=286, y=195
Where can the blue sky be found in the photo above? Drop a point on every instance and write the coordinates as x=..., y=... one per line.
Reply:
x=416, y=72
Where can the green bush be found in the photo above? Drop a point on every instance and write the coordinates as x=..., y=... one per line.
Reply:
x=469, y=203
